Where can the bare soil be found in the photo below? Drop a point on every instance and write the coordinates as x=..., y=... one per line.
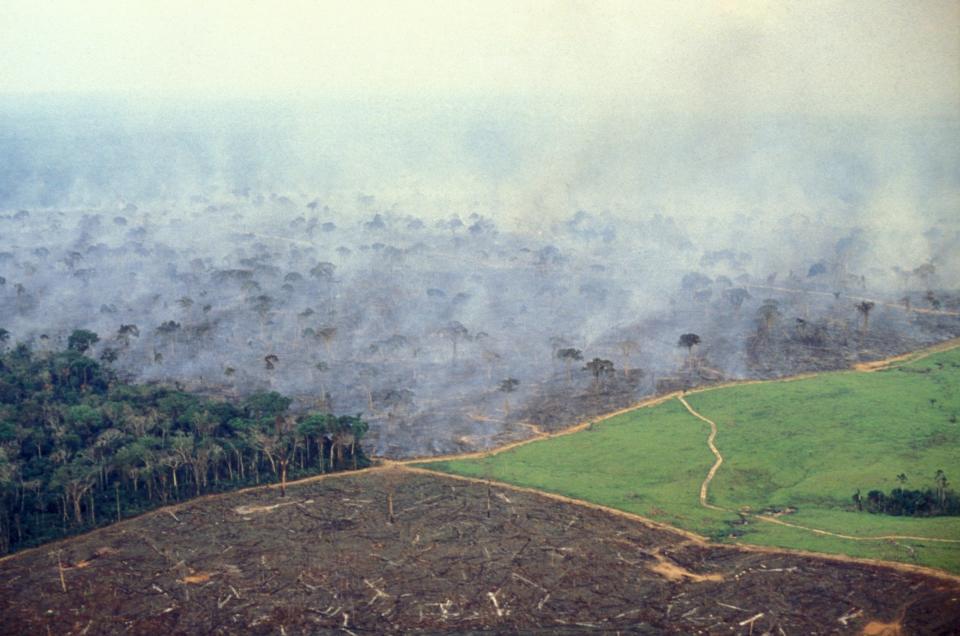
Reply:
x=459, y=557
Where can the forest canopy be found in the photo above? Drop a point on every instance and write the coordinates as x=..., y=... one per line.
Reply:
x=80, y=448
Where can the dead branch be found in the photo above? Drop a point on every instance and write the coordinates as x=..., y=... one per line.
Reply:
x=493, y=599
x=528, y=581
x=751, y=620
x=849, y=616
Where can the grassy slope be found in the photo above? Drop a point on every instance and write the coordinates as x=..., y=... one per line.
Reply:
x=807, y=443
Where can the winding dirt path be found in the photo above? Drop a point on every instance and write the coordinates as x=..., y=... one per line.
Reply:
x=913, y=356
x=770, y=519
x=713, y=449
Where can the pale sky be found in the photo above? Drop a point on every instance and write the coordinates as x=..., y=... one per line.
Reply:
x=834, y=57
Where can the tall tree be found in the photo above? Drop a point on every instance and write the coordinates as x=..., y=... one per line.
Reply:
x=569, y=355
x=627, y=348
x=507, y=387
x=865, y=307
x=688, y=340
x=327, y=333
x=600, y=369
x=768, y=313
x=454, y=331
x=81, y=340
x=736, y=297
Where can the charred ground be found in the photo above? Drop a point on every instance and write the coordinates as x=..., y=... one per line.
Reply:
x=459, y=556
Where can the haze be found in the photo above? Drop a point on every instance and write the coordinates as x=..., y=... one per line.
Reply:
x=544, y=175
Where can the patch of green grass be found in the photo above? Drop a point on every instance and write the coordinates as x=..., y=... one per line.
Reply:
x=807, y=443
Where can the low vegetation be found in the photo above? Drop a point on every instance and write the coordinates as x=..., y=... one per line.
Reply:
x=793, y=452
x=79, y=448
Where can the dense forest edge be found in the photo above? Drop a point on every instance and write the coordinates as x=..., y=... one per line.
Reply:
x=80, y=448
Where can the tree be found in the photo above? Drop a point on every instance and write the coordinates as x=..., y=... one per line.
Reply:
x=769, y=313
x=491, y=358
x=455, y=332
x=817, y=269
x=689, y=340
x=925, y=273
x=270, y=364
x=736, y=298
x=323, y=271
x=313, y=429
x=4, y=339
x=81, y=340
x=263, y=305
x=75, y=479
x=394, y=400
x=125, y=332
x=507, y=387
x=322, y=368
x=327, y=334
x=285, y=445
x=92, y=451
x=169, y=329
x=570, y=355
x=599, y=368
x=694, y=281
x=186, y=303
x=109, y=355
x=865, y=307
x=627, y=347
x=940, y=479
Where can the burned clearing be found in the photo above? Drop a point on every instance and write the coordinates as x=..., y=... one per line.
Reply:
x=458, y=556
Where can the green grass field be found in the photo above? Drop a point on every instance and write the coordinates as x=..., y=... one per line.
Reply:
x=807, y=443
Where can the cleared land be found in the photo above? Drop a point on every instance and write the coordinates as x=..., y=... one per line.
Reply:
x=806, y=444
x=459, y=557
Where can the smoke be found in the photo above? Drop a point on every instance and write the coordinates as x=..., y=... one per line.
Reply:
x=405, y=257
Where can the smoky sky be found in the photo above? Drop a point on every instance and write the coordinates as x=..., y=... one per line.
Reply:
x=855, y=57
